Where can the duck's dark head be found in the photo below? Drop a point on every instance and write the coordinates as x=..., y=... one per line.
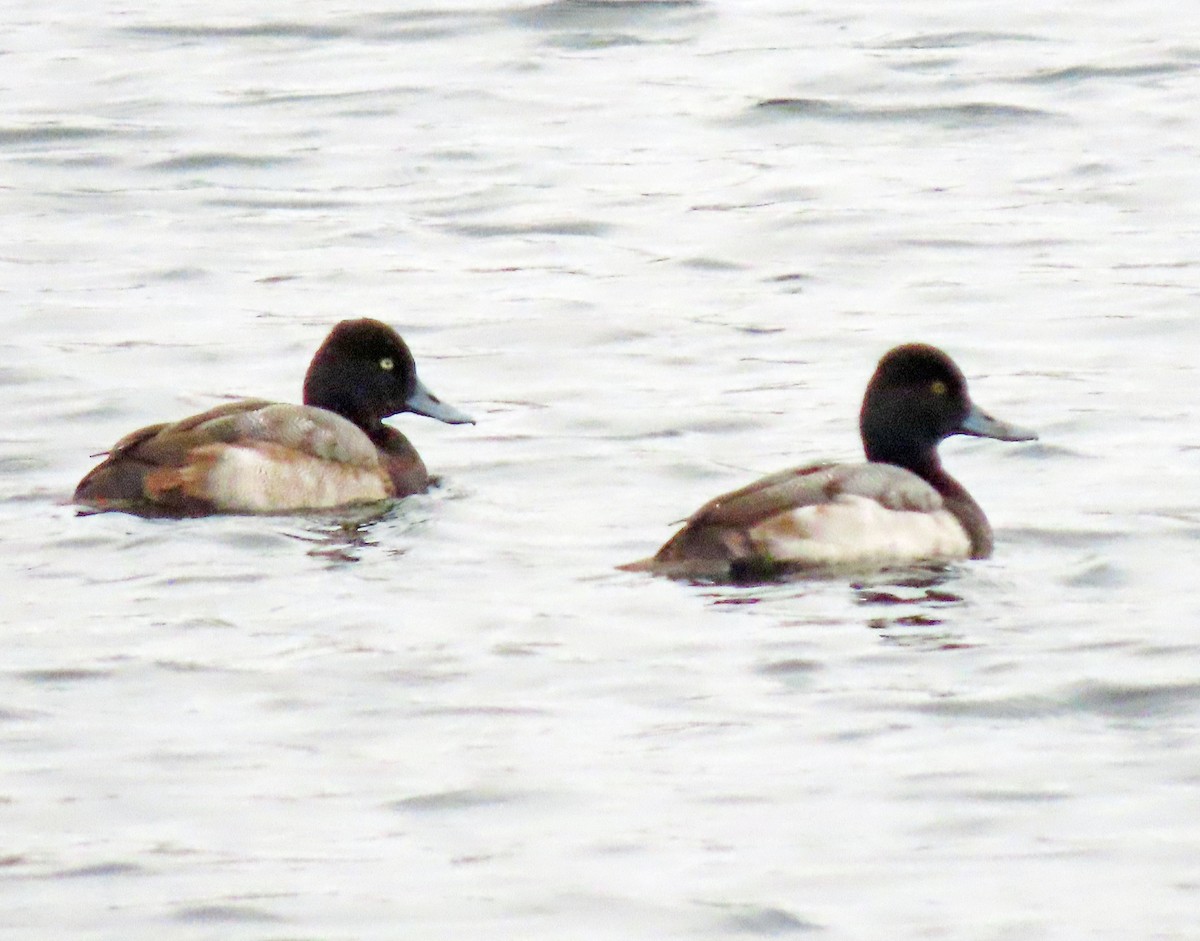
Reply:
x=917, y=398
x=365, y=372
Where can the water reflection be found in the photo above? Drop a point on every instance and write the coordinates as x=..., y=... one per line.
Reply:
x=909, y=606
x=921, y=584
x=343, y=537
x=906, y=606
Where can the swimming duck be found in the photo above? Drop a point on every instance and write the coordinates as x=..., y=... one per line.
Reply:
x=255, y=456
x=898, y=508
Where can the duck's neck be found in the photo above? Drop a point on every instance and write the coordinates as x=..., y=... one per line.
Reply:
x=928, y=466
x=388, y=439
x=379, y=433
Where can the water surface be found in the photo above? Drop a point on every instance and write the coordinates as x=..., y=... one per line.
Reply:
x=656, y=248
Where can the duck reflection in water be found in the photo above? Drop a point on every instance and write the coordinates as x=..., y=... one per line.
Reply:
x=907, y=606
x=346, y=536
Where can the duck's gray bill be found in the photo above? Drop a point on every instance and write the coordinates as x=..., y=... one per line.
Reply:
x=980, y=424
x=424, y=402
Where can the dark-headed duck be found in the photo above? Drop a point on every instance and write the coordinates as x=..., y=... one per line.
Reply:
x=898, y=508
x=254, y=456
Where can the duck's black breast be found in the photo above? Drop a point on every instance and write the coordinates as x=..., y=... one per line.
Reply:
x=402, y=463
x=969, y=514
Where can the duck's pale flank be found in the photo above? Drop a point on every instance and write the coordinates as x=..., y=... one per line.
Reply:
x=254, y=456
x=898, y=508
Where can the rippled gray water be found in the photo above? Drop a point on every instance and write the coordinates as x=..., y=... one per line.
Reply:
x=656, y=248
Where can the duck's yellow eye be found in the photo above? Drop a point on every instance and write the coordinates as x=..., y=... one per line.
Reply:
x=387, y=363
x=937, y=387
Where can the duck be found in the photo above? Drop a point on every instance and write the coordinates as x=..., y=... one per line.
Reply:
x=257, y=456
x=898, y=508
